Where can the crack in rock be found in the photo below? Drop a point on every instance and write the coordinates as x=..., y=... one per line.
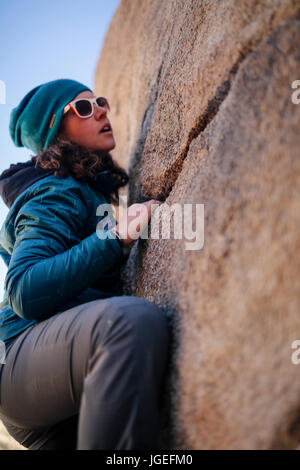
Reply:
x=135, y=161
x=202, y=122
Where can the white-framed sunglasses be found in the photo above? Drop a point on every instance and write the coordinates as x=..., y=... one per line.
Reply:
x=83, y=107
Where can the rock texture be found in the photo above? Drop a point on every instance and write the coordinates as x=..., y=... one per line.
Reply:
x=202, y=114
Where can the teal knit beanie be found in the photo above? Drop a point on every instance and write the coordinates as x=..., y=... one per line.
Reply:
x=35, y=122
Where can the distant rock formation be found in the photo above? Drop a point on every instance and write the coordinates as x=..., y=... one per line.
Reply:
x=201, y=107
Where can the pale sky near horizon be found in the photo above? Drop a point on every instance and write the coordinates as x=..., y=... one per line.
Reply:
x=43, y=41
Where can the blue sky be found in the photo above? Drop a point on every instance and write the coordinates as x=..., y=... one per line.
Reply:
x=43, y=41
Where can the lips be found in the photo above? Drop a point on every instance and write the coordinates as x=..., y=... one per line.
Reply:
x=105, y=128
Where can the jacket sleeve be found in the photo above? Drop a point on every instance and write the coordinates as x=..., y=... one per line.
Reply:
x=51, y=263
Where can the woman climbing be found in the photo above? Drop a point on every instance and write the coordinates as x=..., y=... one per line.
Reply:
x=84, y=364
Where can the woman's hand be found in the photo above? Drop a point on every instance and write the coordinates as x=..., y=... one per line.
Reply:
x=135, y=219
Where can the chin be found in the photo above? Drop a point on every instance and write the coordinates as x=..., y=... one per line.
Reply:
x=111, y=146
x=104, y=148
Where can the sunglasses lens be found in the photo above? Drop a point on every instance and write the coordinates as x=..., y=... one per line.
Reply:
x=83, y=107
x=102, y=102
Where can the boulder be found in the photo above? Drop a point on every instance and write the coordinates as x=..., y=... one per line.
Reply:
x=202, y=114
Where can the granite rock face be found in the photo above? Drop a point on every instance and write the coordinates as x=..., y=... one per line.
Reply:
x=202, y=113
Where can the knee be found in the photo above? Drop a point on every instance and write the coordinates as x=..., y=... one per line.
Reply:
x=136, y=326
x=141, y=320
x=145, y=317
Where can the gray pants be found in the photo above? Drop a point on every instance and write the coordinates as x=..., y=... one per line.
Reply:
x=88, y=378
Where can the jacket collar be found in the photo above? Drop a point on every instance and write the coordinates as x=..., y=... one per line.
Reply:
x=20, y=176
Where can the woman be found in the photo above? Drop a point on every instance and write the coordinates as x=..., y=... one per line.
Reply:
x=84, y=364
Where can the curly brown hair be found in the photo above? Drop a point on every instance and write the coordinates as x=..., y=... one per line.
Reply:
x=69, y=158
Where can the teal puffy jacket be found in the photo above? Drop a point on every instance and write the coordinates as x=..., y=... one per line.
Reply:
x=56, y=260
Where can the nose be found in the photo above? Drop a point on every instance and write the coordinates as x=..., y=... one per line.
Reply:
x=99, y=111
